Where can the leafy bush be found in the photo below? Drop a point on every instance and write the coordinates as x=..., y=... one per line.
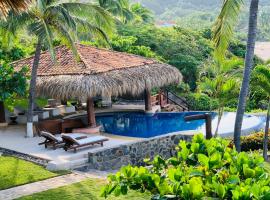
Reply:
x=201, y=102
x=253, y=142
x=202, y=169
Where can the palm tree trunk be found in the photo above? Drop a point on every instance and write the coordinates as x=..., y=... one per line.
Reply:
x=220, y=113
x=266, y=132
x=252, y=29
x=32, y=91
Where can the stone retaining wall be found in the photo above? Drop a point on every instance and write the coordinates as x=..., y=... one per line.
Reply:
x=39, y=161
x=134, y=153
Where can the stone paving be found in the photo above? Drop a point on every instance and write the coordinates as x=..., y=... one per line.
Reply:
x=51, y=183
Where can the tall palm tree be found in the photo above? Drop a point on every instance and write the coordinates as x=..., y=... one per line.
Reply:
x=47, y=19
x=14, y=5
x=223, y=31
x=262, y=74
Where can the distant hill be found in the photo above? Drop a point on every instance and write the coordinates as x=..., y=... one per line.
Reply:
x=198, y=14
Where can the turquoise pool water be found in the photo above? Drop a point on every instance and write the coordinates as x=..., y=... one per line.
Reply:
x=139, y=124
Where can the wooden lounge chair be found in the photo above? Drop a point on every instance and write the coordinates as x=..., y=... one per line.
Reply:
x=57, y=140
x=73, y=143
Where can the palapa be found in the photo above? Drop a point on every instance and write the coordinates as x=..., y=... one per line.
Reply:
x=99, y=72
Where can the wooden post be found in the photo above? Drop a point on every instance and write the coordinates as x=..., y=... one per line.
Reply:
x=208, y=122
x=147, y=99
x=208, y=125
x=64, y=102
x=2, y=112
x=91, y=113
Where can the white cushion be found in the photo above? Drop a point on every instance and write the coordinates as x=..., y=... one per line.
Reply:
x=74, y=135
x=91, y=139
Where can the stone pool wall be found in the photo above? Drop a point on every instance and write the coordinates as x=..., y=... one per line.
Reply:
x=135, y=152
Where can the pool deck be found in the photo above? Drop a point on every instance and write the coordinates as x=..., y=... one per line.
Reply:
x=13, y=138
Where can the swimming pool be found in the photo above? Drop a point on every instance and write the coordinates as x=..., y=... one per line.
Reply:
x=141, y=125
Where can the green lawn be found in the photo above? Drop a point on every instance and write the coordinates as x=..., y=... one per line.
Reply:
x=86, y=190
x=14, y=172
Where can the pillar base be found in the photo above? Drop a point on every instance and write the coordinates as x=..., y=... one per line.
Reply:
x=3, y=124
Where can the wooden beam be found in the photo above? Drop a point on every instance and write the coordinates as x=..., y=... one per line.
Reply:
x=147, y=100
x=91, y=113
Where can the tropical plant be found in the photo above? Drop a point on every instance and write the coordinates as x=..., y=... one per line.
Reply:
x=223, y=31
x=47, y=19
x=12, y=83
x=201, y=102
x=201, y=169
x=219, y=80
x=262, y=74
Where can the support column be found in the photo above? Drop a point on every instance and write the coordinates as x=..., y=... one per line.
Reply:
x=91, y=113
x=147, y=99
x=2, y=112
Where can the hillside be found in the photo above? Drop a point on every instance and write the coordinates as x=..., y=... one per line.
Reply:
x=199, y=14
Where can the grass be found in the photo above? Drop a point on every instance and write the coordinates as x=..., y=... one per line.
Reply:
x=15, y=172
x=85, y=190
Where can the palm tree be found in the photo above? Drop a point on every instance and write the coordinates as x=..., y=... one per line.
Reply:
x=120, y=9
x=220, y=80
x=47, y=19
x=262, y=74
x=14, y=5
x=141, y=13
x=126, y=12
x=223, y=31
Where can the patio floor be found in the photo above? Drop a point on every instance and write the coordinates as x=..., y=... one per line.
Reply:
x=13, y=138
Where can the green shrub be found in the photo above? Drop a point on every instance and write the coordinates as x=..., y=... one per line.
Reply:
x=253, y=142
x=202, y=169
x=201, y=102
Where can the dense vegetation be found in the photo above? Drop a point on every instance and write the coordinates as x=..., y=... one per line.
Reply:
x=201, y=169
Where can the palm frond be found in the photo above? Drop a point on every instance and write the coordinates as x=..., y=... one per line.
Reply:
x=92, y=29
x=224, y=26
x=15, y=6
x=262, y=74
x=66, y=38
x=12, y=24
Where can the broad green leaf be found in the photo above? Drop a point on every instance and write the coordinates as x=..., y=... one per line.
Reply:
x=203, y=159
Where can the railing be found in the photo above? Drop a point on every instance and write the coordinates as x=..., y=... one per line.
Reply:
x=166, y=97
x=174, y=98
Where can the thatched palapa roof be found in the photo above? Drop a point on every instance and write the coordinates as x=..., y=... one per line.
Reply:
x=99, y=72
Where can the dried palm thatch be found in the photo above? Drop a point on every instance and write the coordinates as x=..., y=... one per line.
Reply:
x=115, y=83
x=99, y=73
x=15, y=5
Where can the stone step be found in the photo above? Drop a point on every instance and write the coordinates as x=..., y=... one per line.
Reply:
x=67, y=164
x=77, y=156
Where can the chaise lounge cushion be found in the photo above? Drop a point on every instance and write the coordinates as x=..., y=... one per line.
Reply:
x=76, y=136
x=56, y=138
x=92, y=139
